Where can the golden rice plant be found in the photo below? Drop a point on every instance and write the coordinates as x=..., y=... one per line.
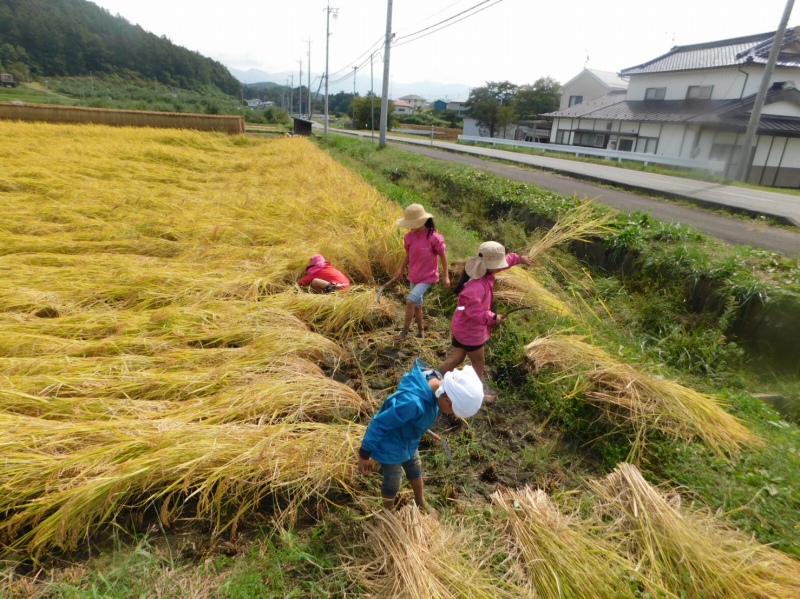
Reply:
x=413, y=555
x=338, y=314
x=578, y=224
x=689, y=551
x=562, y=557
x=521, y=288
x=63, y=481
x=641, y=400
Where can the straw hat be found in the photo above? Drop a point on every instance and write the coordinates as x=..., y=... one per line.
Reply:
x=465, y=390
x=414, y=217
x=490, y=255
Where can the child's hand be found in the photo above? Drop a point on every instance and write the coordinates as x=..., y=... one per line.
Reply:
x=447, y=281
x=525, y=260
x=398, y=274
x=364, y=466
x=501, y=318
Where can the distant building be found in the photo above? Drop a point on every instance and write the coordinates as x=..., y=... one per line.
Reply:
x=402, y=107
x=7, y=80
x=440, y=105
x=416, y=102
x=457, y=105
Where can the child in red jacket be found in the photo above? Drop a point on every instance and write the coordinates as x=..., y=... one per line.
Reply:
x=322, y=277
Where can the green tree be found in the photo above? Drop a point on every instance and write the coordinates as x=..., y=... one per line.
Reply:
x=363, y=111
x=485, y=103
x=541, y=97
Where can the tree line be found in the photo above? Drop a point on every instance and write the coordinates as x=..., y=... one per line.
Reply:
x=73, y=38
x=497, y=104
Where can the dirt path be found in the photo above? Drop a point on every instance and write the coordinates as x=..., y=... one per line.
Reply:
x=725, y=228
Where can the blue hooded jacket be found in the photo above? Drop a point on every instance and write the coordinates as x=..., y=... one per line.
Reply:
x=393, y=435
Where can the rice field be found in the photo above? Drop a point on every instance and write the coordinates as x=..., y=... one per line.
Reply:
x=159, y=364
x=155, y=352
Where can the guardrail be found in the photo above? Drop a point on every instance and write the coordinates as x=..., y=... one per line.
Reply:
x=712, y=166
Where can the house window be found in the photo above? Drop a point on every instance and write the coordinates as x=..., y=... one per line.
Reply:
x=595, y=140
x=655, y=93
x=699, y=92
x=626, y=145
x=573, y=100
x=562, y=137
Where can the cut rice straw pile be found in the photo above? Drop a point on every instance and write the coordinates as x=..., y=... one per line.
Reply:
x=690, y=552
x=414, y=556
x=520, y=288
x=561, y=557
x=644, y=401
x=579, y=224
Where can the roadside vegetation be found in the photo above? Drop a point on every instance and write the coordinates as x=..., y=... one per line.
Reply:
x=180, y=420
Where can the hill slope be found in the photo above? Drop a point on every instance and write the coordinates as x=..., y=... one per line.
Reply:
x=75, y=37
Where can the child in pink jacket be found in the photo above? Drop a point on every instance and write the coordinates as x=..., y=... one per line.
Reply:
x=423, y=245
x=474, y=319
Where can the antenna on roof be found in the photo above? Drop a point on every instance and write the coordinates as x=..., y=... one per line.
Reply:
x=587, y=59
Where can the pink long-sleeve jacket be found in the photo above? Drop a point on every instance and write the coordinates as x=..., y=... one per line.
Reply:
x=473, y=318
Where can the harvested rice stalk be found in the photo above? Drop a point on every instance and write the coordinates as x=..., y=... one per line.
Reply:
x=641, y=400
x=63, y=481
x=563, y=559
x=413, y=555
x=690, y=552
x=566, y=353
x=520, y=287
x=579, y=224
x=650, y=402
x=339, y=314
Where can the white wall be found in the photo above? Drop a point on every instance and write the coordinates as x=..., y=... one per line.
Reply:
x=782, y=109
x=586, y=85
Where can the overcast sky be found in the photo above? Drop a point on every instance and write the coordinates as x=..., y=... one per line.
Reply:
x=515, y=40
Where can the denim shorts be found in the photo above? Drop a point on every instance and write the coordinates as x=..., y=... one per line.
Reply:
x=392, y=474
x=417, y=291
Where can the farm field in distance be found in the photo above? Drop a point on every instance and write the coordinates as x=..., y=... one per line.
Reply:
x=179, y=419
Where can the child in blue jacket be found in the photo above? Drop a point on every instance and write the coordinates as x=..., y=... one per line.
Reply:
x=393, y=435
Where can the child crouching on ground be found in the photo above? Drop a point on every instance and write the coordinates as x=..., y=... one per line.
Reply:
x=474, y=317
x=322, y=277
x=393, y=435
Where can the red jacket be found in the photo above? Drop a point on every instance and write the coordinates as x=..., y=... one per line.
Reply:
x=326, y=273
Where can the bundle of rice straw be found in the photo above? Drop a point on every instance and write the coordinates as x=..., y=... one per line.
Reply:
x=562, y=558
x=578, y=224
x=413, y=555
x=520, y=287
x=690, y=552
x=644, y=401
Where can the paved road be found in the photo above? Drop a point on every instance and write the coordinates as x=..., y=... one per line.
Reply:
x=731, y=230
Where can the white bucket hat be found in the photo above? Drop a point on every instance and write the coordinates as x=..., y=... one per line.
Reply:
x=414, y=217
x=465, y=390
x=490, y=255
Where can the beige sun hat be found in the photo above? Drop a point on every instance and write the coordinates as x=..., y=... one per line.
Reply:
x=414, y=217
x=490, y=255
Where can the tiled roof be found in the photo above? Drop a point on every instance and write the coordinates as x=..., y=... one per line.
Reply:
x=753, y=49
x=612, y=80
x=584, y=108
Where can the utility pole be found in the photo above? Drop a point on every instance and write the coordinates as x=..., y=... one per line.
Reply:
x=300, y=90
x=372, y=98
x=291, y=96
x=385, y=94
x=309, y=78
x=748, y=150
x=335, y=12
x=353, y=103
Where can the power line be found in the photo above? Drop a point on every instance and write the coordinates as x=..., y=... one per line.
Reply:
x=472, y=14
x=360, y=56
x=430, y=16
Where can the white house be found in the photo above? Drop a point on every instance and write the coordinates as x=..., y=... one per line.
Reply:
x=402, y=107
x=457, y=105
x=590, y=84
x=415, y=102
x=695, y=102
